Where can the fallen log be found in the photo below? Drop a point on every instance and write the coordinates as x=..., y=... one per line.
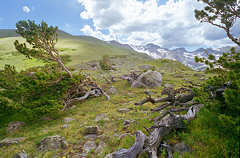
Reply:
x=153, y=141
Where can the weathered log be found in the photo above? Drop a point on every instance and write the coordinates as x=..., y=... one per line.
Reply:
x=135, y=150
x=169, y=149
x=153, y=141
x=153, y=101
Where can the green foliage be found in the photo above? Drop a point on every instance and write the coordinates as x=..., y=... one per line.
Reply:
x=222, y=110
x=42, y=39
x=227, y=12
x=105, y=63
x=33, y=93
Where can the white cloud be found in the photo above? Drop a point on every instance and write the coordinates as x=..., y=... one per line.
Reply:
x=26, y=9
x=132, y=21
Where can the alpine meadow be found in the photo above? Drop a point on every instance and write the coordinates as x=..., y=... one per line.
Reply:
x=120, y=79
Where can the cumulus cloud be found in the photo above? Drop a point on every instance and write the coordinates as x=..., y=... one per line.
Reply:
x=139, y=22
x=26, y=9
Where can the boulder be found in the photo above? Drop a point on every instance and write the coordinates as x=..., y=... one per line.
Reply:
x=14, y=126
x=52, y=143
x=10, y=141
x=149, y=79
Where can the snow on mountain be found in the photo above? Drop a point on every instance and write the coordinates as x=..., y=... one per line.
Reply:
x=178, y=54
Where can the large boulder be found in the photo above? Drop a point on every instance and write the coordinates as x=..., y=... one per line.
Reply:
x=149, y=79
x=52, y=143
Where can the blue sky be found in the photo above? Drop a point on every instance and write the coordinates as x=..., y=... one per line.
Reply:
x=168, y=23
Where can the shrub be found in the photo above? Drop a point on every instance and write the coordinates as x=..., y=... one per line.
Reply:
x=35, y=92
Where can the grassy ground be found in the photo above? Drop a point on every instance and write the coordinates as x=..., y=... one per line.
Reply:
x=82, y=50
x=86, y=112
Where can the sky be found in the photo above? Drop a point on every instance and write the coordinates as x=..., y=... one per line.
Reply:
x=167, y=23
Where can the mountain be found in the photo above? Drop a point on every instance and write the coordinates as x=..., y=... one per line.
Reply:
x=4, y=33
x=180, y=54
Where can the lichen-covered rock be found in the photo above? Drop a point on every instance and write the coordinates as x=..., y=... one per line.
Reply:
x=124, y=110
x=149, y=79
x=91, y=130
x=68, y=119
x=100, y=147
x=14, y=126
x=10, y=141
x=89, y=145
x=21, y=155
x=181, y=148
x=52, y=143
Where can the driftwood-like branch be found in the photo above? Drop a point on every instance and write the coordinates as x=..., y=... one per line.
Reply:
x=135, y=150
x=161, y=129
x=153, y=101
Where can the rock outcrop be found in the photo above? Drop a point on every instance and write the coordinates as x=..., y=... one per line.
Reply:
x=52, y=143
x=149, y=79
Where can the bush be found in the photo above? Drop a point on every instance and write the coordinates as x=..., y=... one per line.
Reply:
x=105, y=63
x=221, y=97
x=35, y=92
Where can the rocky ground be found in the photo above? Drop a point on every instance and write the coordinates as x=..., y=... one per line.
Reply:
x=97, y=127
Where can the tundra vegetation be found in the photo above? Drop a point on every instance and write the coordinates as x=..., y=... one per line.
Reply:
x=193, y=114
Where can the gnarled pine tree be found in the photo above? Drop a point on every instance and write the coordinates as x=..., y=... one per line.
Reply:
x=42, y=39
x=223, y=14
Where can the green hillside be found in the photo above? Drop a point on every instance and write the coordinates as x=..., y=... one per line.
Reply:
x=79, y=48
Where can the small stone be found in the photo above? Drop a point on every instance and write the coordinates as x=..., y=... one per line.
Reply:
x=46, y=118
x=126, y=122
x=181, y=148
x=91, y=130
x=79, y=156
x=90, y=137
x=20, y=155
x=124, y=135
x=65, y=126
x=109, y=156
x=168, y=86
x=52, y=143
x=68, y=119
x=124, y=110
x=14, y=126
x=112, y=90
x=10, y=141
x=89, y=145
x=100, y=117
x=100, y=147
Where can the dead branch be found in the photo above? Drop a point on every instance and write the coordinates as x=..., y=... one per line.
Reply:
x=135, y=150
x=162, y=128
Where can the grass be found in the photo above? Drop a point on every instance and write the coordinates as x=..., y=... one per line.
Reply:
x=80, y=49
x=83, y=49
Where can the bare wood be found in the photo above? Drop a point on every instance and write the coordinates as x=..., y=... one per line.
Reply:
x=133, y=151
